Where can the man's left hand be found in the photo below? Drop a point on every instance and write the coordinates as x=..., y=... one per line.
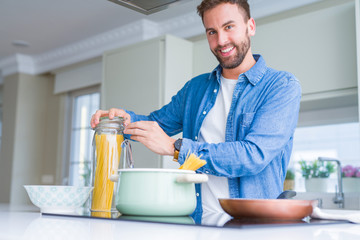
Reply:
x=152, y=136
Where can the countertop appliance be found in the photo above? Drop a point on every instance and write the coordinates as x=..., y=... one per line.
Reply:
x=219, y=220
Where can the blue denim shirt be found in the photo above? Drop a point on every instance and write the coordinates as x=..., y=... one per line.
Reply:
x=259, y=128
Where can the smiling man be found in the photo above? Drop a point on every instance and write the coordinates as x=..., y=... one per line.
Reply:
x=228, y=33
x=240, y=117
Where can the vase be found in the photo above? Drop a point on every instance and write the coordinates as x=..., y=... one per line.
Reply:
x=289, y=184
x=351, y=184
x=316, y=184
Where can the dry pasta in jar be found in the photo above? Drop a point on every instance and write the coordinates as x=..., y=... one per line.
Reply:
x=107, y=141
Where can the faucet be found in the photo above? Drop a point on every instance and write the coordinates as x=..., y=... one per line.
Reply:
x=339, y=194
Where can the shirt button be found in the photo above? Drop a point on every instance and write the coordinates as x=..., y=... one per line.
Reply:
x=206, y=171
x=204, y=112
x=197, y=194
x=195, y=137
x=215, y=90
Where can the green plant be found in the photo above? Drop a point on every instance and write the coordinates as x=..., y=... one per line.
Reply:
x=316, y=169
x=290, y=175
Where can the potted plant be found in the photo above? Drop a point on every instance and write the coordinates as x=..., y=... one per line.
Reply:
x=316, y=174
x=351, y=178
x=289, y=182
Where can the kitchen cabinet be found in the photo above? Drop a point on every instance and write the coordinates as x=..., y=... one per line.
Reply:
x=203, y=59
x=142, y=78
x=317, y=43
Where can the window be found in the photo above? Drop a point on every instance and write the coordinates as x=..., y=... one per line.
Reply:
x=340, y=141
x=84, y=103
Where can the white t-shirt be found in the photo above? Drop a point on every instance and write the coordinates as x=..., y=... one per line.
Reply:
x=213, y=131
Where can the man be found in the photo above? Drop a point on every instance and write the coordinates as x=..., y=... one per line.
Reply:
x=240, y=117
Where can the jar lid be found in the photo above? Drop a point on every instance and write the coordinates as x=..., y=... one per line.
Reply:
x=116, y=122
x=115, y=119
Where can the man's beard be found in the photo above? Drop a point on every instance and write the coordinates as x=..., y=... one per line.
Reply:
x=233, y=61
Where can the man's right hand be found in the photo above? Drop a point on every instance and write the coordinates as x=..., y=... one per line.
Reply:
x=111, y=113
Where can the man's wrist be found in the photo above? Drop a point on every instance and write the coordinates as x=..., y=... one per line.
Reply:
x=177, y=146
x=171, y=147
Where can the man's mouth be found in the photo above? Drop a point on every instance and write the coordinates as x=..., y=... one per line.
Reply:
x=226, y=51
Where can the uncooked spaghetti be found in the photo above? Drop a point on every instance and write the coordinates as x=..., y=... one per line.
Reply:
x=108, y=152
x=192, y=162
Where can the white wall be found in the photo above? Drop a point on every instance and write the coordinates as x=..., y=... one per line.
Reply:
x=8, y=135
x=29, y=134
x=78, y=76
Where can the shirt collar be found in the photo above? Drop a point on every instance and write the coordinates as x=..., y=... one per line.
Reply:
x=253, y=75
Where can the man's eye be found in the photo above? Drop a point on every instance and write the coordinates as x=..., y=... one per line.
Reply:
x=228, y=27
x=211, y=32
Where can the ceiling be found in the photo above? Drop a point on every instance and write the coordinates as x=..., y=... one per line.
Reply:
x=48, y=25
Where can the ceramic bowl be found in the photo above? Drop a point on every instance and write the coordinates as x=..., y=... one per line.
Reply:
x=58, y=199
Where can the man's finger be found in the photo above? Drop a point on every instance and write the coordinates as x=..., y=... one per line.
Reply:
x=111, y=113
x=95, y=119
x=137, y=125
x=135, y=131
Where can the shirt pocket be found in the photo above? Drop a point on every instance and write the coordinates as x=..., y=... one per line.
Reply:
x=246, y=119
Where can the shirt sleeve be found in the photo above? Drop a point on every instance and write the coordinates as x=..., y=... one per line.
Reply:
x=272, y=127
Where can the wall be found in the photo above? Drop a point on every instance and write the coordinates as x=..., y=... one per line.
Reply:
x=29, y=134
x=78, y=76
x=49, y=174
x=8, y=135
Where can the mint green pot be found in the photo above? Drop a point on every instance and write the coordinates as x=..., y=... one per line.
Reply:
x=157, y=192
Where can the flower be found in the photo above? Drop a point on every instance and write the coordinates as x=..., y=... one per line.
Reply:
x=350, y=171
x=357, y=174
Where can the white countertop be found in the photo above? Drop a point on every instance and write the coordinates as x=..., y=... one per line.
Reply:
x=28, y=223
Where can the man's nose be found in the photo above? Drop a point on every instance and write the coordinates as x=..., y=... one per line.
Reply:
x=222, y=39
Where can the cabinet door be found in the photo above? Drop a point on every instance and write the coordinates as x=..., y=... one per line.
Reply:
x=315, y=43
x=131, y=81
x=204, y=60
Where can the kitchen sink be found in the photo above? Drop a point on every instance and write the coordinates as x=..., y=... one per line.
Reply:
x=337, y=214
x=340, y=211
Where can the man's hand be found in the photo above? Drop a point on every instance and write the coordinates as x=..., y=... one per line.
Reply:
x=113, y=112
x=152, y=136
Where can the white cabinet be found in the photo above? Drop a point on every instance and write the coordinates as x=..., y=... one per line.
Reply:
x=203, y=59
x=317, y=43
x=142, y=78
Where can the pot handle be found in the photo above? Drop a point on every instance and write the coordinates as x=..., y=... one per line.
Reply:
x=192, y=178
x=114, y=178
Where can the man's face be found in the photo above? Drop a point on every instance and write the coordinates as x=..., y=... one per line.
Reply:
x=227, y=34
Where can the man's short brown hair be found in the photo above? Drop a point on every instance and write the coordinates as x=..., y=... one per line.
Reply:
x=210, y=4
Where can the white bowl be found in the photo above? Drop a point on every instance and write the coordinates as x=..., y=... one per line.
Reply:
x=58, y=199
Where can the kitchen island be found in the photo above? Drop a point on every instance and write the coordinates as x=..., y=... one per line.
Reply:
x=29, y=223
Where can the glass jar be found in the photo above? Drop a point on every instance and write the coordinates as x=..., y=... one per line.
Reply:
x=107, y=147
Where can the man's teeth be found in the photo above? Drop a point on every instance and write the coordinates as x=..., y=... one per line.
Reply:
x=227, y=50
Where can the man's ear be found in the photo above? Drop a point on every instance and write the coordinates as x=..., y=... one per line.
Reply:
x=251, y=27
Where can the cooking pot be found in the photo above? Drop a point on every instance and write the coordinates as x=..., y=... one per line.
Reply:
x=157, y=192
x=280, y=209
x=162, y=219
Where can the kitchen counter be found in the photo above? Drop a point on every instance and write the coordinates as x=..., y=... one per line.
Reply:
x=29, y=223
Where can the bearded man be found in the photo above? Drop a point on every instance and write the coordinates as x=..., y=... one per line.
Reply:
x=240, y=117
